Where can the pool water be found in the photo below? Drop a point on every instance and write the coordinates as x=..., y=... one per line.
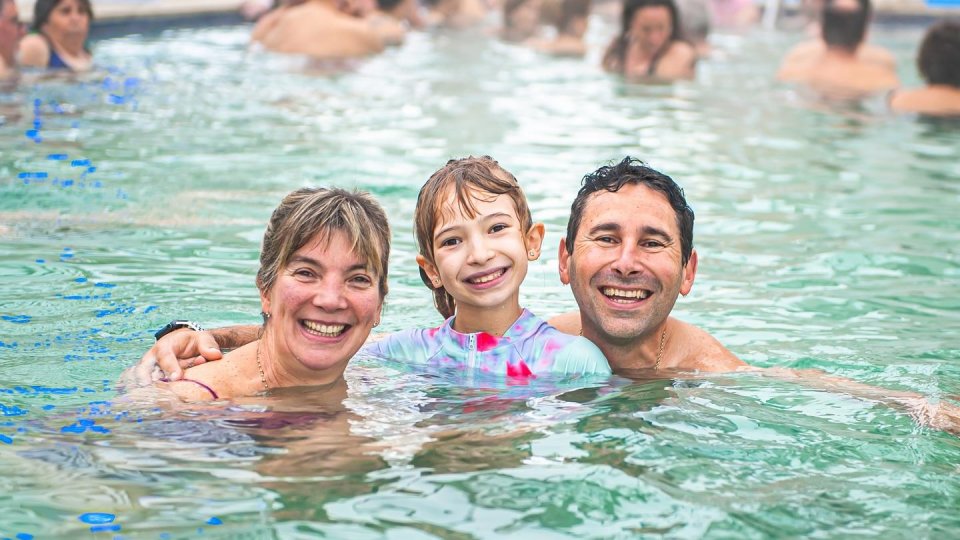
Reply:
x=827, y=234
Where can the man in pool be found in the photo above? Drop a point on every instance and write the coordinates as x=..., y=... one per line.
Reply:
x=628, y=255
x=11, y=32
x=840, y=64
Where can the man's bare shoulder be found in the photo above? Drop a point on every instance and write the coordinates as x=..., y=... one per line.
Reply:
x=568, y=323
x=699, y=350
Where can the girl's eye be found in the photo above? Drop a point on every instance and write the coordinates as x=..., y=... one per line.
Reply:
x=498, y=227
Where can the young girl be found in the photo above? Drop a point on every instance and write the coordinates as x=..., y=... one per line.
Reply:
x=475, y=237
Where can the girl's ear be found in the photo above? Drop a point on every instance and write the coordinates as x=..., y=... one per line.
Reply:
x=534, y=241
x=431, y=271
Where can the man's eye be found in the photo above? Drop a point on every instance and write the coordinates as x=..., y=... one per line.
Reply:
x=606, y=240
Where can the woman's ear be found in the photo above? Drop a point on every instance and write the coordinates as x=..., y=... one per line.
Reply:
x=265, y=302
x=534, y=240
x=431, y=271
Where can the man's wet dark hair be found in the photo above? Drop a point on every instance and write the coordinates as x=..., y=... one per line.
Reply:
x=845, y=28
x=633, y=171
x=43, y=8
x=939, y=58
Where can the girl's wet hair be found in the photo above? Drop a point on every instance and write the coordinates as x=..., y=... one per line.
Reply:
x=470, y=179
x=43, y=8
x=317, y=213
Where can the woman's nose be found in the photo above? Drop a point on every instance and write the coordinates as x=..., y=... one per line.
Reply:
x=329, y=297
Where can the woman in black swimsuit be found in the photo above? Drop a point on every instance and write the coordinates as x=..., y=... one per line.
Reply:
x=60, y=39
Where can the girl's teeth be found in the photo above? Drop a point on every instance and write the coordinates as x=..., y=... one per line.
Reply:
x=488, y=277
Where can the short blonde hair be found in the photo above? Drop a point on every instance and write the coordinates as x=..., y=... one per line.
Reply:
x=310, y=212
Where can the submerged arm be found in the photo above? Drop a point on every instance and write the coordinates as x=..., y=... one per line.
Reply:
x=944, y=416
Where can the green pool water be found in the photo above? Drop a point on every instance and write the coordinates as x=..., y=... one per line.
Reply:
x=828, y=238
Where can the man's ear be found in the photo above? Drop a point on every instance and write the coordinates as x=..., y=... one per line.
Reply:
x=534, y=241
x=430, y=270
x=564, y=257
x=689, y=273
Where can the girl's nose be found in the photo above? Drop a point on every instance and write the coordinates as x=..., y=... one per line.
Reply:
x=480, y=252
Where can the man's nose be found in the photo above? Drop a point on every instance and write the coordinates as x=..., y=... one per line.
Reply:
x=628, y=261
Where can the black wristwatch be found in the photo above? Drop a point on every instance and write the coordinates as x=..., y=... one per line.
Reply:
x=176, y=325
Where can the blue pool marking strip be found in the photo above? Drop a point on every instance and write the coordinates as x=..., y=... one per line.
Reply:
x=943, y=3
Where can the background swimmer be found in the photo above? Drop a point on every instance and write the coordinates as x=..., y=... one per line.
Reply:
x=650, y=45
x=939, y=64
x=60, y=39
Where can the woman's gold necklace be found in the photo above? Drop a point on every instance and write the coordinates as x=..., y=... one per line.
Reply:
x=263, y=378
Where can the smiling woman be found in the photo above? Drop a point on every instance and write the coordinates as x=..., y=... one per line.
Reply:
x=322, y=281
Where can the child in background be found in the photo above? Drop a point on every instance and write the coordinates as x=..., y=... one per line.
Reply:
x=475, y=236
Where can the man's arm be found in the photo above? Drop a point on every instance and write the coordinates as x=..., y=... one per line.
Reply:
x=185, y=348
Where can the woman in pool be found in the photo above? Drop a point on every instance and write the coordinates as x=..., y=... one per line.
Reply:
x=61, y=28
x=939, y=64
x=475, y=237
x=322, y=281
x=649, y=45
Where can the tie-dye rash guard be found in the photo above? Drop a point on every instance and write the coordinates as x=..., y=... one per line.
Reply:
x=530, y=347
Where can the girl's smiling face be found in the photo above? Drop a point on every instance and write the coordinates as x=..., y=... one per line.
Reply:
x=481, y=260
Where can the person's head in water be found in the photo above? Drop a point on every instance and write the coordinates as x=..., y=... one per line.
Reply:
x=939, y=57
x=11, y=32
x=475, y=235
x=573, y=17
x=322, y=281
x=628, y=253
x=649, y=25
x=62, y=16
x=844, y=23
x=521, y=19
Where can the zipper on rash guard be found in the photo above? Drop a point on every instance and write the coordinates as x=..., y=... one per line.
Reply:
x=472, y=353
